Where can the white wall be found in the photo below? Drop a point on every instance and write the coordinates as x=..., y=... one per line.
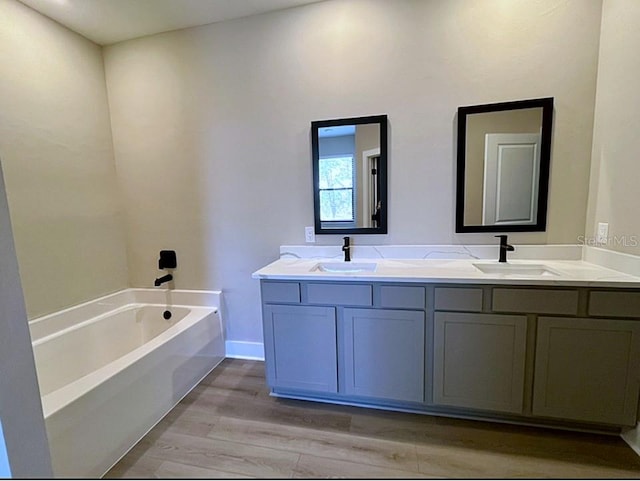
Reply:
x=614, y=192
x=57, y=152
x=23, y=431
x=211, y=124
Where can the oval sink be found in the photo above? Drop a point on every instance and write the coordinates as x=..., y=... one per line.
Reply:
x=345, y=267
x=533, y=270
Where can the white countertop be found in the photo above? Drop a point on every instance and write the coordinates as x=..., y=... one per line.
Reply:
x=568, y=272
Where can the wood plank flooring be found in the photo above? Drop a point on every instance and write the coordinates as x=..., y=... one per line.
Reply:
x=229, y=427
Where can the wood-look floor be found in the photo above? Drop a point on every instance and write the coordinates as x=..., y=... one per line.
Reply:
x=229, y=427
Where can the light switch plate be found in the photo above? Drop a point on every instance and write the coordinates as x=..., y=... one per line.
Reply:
x=309, y=234
x=603, y=233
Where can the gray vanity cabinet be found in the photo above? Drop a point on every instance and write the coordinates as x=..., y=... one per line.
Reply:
x=587, y=370
x=384, y=353
x=300, y=347
x=557, y=355
x=479, y=361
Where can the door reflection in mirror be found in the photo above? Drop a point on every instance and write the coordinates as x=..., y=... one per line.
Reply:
x=512, y=167
x=503, y=166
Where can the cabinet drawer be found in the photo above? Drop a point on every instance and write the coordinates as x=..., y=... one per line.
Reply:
x=280, y=292
x=536, y=301
x=458, y=299
x=339, y=294
x=616, y=304
x=410, y=297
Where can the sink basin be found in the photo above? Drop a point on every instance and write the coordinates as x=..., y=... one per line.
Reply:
x=515, y=269
x=345, y=267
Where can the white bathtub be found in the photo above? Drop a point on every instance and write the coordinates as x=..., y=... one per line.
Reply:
x=110, y=369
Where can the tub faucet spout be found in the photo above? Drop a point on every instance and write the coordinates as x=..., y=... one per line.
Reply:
x=162, y=280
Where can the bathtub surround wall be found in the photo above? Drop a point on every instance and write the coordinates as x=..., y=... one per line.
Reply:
x=211, y=124
x=57, y=154
x=22, y=437
x=613, y=194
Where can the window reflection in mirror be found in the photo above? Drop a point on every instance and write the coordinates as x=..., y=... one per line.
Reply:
x=349, y=158
x=503, y=165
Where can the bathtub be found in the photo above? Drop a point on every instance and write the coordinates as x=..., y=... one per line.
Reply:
x=110, y=369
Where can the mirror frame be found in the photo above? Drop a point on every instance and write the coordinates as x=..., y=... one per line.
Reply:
x=382, y=167
x=545, y=159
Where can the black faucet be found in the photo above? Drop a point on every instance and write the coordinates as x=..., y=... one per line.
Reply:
x=346, y=248
x=504, y=248
x=167, y=260
x=162, y=280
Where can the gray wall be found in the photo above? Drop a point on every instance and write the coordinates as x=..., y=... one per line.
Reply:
x=211, y=125
x=211, y=133
x=613, y=195
x=334, y=146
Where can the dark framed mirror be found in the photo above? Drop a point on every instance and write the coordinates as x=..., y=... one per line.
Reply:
x=350, y=175
x=504, y=153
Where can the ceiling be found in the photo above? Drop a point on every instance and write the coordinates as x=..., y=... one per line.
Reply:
x=110, y=21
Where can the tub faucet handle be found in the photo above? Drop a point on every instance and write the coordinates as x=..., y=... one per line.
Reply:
x=167, y=260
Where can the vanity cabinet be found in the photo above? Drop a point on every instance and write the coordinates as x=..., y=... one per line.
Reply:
x=557, y=355
x=359, y=340
x=300, y=347
x=587, y=370
x=479, y=361
x=384, y=353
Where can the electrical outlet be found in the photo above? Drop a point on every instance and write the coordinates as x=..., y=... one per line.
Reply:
x=309, y=234
x=603, y=233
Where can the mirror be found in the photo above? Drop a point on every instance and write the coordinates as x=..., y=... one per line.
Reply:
x=504, y=151
x=350, y=175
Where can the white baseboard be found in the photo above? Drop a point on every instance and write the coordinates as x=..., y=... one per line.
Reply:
x=245, y=350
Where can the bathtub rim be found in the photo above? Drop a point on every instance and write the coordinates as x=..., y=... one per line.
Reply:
x=70, y=316
x=105, y=315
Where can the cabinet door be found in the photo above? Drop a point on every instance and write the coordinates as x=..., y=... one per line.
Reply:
x=587, y=370
x=479, y=361
x=384, y=354
x=300, y=347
